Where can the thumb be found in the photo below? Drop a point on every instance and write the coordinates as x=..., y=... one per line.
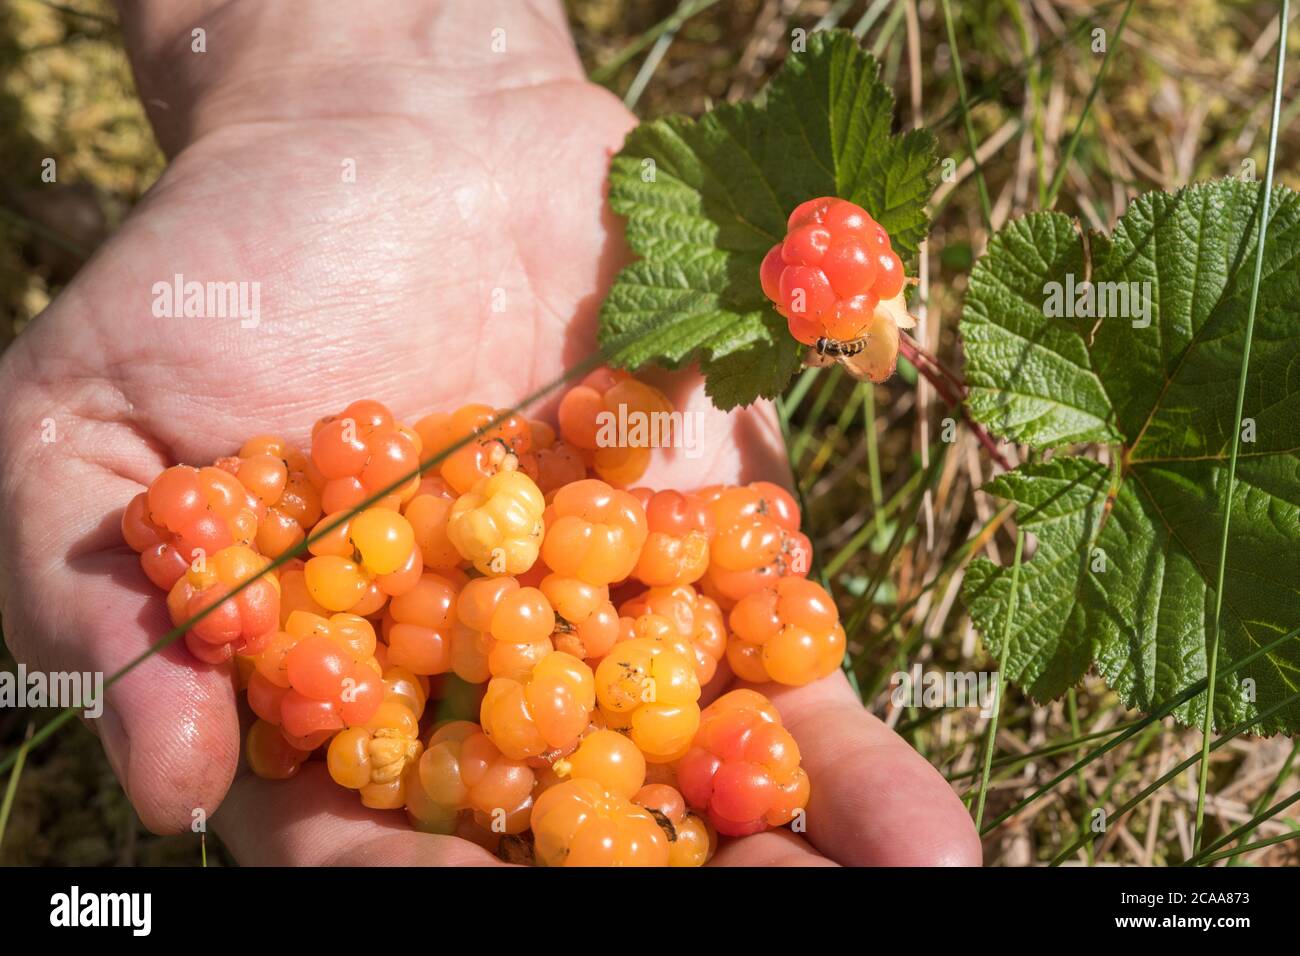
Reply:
x=74, y=600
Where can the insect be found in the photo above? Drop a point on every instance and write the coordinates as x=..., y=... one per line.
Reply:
x=834, y=348
x=871, y=356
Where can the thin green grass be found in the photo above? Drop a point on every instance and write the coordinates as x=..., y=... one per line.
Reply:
x=1265, y=798
x=991, y=736
x=11, y=788
x=986, y=207
x=1241, y=832
x=1236, y=852
x=607, y=71
x=1266, y=197
x=1058, y=178
x=1164, y=710
x=1199, y=757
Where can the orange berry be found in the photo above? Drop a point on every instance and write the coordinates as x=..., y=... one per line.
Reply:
x=594, y=532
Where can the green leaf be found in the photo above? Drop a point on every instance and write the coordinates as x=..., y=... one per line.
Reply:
x=1124, y=569
x=706, y=199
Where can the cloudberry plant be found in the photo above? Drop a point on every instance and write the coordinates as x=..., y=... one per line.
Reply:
x=185, y=515
x=594, y=532
x=691, y=840
x=676, y=549
x=545, y=712
x=238, y=624
x=789, y=633
x=501, y=630
x=742, y=769
x=579, y=823
x=589, y=415
x=833, y=268
x=498, y=525
x=757, y=540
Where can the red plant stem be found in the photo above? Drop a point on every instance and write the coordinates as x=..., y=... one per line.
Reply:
x=951, y=389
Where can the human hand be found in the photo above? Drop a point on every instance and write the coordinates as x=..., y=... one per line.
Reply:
x=478, y=181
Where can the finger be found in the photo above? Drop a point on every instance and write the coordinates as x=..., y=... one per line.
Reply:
x=309, y=820
x=875, y=801
x=76, y=601
x=770, y=848
x=307, y=58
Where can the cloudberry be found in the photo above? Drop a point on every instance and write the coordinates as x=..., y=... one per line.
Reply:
x=757, y=540
x=360, y=453
x=742, y=769
x=833, y=268
x=676, y=549
x=579, y=823
x=590, y=413
x=498, y=526
x=462, y=770
x=691, y=840
x=693, y=616
x=789, y=633
x=546, y=711
x=186, y=515
x=238, y=624
x=593, y=532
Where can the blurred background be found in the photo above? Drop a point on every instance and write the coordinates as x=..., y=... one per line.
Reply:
x=1185, y=97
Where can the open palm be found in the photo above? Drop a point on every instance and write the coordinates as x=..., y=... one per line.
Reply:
x=417, y=237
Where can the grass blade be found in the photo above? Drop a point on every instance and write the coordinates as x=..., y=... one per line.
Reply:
x=12, y=787
x=1265, y=201
x=1164, y=710
x=985, y=205
x=990, y=741
x=1257, y=845
x=1151, y=788
x=1058, y=178
x=1245, y=829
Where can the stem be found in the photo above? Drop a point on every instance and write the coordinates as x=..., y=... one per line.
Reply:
x=952, y=390
x=1211, y=686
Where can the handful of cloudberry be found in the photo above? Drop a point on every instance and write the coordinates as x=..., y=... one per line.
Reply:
x=361, y=590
